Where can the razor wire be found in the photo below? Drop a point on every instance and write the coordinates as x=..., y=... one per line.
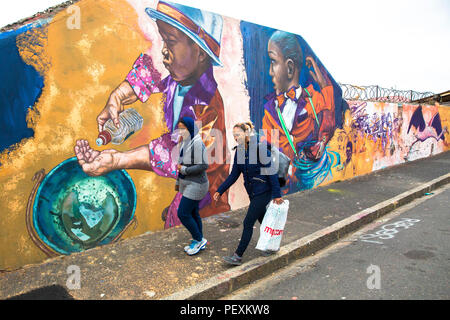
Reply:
x=377, y=93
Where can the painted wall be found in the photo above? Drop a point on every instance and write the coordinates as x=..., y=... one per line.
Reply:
x=58, y=74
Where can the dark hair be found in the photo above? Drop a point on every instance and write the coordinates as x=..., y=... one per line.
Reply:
x=289, y=46
x=190, y=125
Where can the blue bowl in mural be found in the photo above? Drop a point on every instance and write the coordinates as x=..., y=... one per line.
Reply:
x=73, y=212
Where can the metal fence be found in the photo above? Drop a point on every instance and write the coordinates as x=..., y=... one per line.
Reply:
x=376, y=93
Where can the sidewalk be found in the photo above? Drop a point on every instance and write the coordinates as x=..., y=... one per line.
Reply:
x=154, y=265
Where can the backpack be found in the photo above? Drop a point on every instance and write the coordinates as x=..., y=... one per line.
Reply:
x=280, y=161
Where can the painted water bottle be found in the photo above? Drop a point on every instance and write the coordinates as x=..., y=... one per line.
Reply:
x=130, y=122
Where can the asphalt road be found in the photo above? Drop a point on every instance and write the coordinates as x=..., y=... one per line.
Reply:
x=404, y=255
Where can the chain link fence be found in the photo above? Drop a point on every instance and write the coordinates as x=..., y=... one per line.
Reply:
x=376, y=93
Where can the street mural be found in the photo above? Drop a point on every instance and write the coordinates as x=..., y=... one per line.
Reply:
x=66, y=77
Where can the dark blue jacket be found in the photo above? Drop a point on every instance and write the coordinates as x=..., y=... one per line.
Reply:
x=255, y=183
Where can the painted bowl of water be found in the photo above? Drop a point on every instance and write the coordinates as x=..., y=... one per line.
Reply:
x=73, y=212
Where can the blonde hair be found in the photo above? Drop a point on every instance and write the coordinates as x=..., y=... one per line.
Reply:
x=247, y=127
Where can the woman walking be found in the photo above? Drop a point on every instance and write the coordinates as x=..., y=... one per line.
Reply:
x=260, y=188
x=192, y=182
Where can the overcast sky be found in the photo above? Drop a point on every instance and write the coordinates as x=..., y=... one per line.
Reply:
x=404, y=44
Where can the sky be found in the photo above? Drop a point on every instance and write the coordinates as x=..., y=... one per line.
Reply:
x=401, y=44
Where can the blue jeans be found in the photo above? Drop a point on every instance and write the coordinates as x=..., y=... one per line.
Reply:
x=188, y=213
x=256, y=211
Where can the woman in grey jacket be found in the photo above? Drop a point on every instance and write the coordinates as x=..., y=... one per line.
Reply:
x=192, y=182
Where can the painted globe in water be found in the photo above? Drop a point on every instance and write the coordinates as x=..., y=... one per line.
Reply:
x=73, y=212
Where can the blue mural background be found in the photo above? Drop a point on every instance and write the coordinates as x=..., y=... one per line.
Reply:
x=21, y=87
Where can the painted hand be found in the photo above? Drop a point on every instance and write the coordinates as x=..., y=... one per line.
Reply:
x=122, y=95
x=94, y=162
x=216, y=196
x=316, y=74
x=316, y=151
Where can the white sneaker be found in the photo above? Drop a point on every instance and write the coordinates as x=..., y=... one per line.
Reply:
x=187, y=247
x=196, y=246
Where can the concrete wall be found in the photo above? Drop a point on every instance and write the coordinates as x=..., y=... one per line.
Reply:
x=58, y=73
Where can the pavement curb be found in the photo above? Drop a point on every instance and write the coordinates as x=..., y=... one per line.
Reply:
x=237, y=277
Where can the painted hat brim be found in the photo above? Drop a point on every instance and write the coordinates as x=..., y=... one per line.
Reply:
x=156, y=15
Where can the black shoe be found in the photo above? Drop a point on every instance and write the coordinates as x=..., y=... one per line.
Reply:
x=234, y=260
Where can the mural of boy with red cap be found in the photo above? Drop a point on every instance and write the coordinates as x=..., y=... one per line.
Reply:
x=308, y=115
x=191, y=48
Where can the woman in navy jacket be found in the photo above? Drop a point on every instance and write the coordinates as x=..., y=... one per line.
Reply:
x=261, y=188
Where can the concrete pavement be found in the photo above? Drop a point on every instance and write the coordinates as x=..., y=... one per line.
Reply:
x=154, y=265
x=403, y=255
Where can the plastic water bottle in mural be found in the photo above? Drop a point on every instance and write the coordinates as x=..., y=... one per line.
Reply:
x=130, y=122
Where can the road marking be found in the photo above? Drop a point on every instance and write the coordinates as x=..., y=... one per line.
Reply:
x=388, y=231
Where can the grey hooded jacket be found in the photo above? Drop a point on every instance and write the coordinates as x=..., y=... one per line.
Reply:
x=192, y=181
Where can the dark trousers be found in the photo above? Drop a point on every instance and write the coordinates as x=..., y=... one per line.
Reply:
x=256, y=211
x=188, y=213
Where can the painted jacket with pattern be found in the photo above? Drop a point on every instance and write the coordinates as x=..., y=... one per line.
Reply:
x=305, y=127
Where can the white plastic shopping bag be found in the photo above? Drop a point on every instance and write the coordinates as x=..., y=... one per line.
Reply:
x=272, y=226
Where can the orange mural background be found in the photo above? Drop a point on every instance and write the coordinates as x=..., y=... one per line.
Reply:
x=86, y=65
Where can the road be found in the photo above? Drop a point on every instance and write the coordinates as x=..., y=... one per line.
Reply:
x=403, y=255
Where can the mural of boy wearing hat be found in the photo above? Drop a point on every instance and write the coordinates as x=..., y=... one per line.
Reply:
x=308, y=114
x=191, y=47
